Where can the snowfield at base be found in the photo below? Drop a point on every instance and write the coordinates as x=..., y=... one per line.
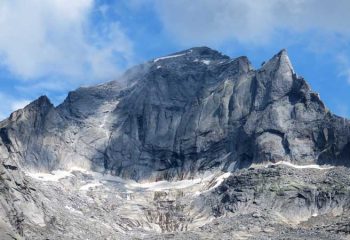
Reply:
x=101, y=179
x=289, y=164
x=206, y=182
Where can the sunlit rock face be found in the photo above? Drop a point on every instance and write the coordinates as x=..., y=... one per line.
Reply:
x=178, y=116
x=188, y=143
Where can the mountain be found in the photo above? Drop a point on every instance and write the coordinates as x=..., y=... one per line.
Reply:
x=188, y=141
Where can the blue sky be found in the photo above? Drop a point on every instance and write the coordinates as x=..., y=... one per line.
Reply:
x=52, y=47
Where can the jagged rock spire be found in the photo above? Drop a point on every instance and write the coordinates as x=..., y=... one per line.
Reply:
x=279, y=61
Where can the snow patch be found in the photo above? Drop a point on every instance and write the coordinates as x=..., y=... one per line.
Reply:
x=213, y=179
x=289, y=164
x=158, y=67
x=164, y=185
x=219, y=180
x=206, y=182
x=167, y=57
x=206, y=62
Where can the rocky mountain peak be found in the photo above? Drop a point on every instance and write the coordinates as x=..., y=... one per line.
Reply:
x=197, y=54
x=38, y=108
x=192, y=139
x=206, y=52
x=184, y=114
x=279, y=62
x=42, y=103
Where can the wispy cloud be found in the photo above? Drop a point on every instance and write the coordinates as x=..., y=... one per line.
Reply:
x=10, y=104
x=344, y=67
x=55, y=39
x=18, y=104
x=253, y=22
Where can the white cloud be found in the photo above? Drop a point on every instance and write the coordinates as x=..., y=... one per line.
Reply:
x=344, y=66
x=257, y=22
x=18, y=104
x=10, y=104
x=55, y=39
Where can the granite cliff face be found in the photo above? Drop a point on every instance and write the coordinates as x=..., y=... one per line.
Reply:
x=166, y=148
x=177, y=116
